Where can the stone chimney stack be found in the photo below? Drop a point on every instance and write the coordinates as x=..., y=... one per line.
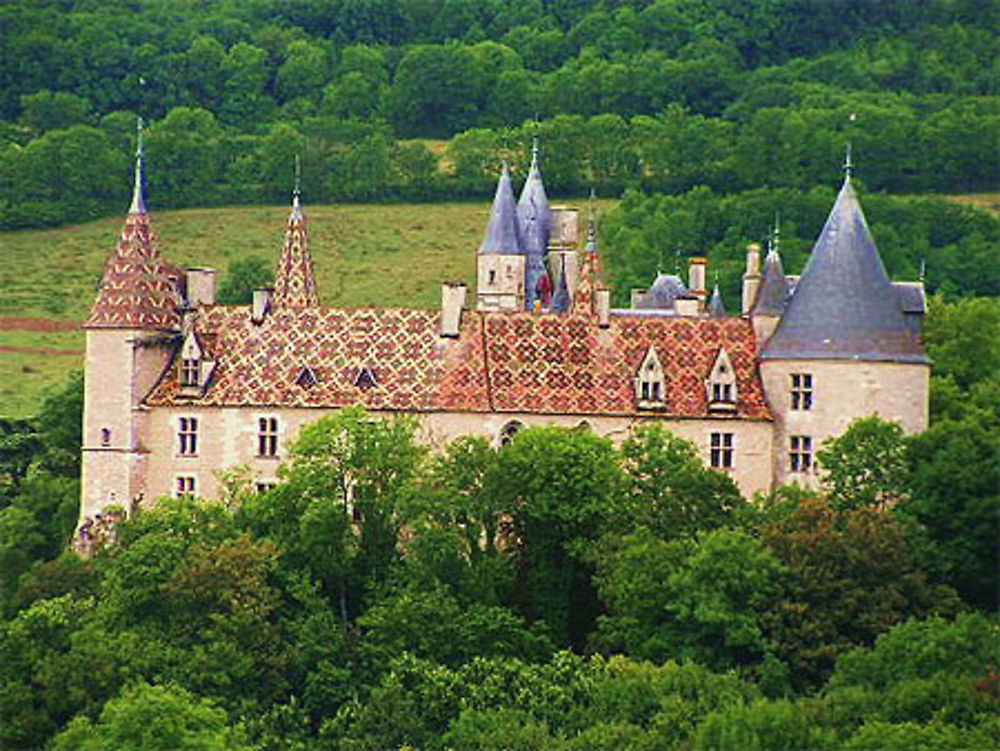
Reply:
x=602, y=302
x=452, y=304
x=751, y=279
x=262, y=298
x=200, y=286
x=696, y=277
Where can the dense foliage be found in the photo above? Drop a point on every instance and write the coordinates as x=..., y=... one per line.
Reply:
x=557, y=593
x=657, y=95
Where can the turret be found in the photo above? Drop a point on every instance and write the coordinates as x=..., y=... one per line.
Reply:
x=131, y=333
x=535, y=222
x=294, y=282
x=501, y=260
x=842, y=348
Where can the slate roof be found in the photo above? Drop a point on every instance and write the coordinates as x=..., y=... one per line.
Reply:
x=844, y=306
x=500, y=362
x=716, y=308
x=774, y=292
x=533, y=210
x=139, y=289
x=666, y=288
x=503, y=233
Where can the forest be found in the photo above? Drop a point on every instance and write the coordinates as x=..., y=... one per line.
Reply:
x=560, y=592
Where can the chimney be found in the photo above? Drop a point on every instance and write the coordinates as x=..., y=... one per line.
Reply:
x=452, y=304
x=638, y=297
x=688, y=305
x=564, y=234
x=696, y=276
x=751, y=279
x=602, y=301
x=261, y=303
x=200, y=286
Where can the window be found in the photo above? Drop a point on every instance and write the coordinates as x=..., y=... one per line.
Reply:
x=722, y=392
x=105, y=436
x=187, y=436
x=800, y=456
x=802, y=391
x=508, y=432
x=366, y=379
x=493, y=277
x=184, y=485
x=721, y=450
x=264, y=486
x=649, y=382
x=190, y=372
x=267, y=436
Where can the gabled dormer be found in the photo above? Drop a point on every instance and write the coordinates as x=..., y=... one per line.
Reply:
x=650, y=383
x=720, y=386
x=194, y=368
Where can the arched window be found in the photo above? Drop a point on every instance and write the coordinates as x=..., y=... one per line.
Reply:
x=508, y=431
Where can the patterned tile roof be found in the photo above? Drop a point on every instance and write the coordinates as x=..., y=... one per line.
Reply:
x=502, y=362
x=139, y=289
x=294, y=283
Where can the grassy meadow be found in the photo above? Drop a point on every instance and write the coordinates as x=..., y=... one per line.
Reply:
x=364, y=255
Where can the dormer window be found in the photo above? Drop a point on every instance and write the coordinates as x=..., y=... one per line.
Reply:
x=366, y=379
x=306, y=378
x=650, y=387
x=721, y=385
x=194, y=368
x=190, y=372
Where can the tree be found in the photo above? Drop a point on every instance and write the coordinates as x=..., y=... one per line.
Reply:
x=565, y=489
x=243, y=276
x=149, y=718
x=45, y=110
x=672, y=492
x=866, y=466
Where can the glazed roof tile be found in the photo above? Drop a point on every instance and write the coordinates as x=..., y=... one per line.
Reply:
x=294, y=283
x=501, y=362
x=844, y=306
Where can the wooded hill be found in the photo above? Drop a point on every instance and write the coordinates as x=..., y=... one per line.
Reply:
x=659, y=96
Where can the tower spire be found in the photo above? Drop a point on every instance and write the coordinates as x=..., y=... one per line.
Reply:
x=848, y=164
x=294, y=283
x=138, y=205
x=296, y=190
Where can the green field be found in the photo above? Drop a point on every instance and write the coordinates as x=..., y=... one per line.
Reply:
x=380, y=255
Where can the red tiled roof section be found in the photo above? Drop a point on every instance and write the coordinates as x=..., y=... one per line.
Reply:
x=499, y=362
x=139, y=289
x=260, y=364
x=568, y=365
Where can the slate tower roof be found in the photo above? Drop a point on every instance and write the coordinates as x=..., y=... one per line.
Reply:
x=139, y=288
x=844, y=306
x=533, y=210
x=772, y=297
x=503, y=233
x=294, y=283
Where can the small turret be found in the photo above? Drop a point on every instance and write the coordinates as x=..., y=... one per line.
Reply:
x=715, y=307
x=589, y=281
x=501, y=260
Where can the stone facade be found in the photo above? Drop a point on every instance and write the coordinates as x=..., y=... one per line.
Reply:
x=179, y=389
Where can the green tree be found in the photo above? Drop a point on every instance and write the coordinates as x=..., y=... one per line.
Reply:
x=46, y=110
x=866, y=466
x=150, y=717
x=243, y=276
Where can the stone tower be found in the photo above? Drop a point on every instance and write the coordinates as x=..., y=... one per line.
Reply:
x=132, y=328
x=843, y=347
x=500, y=261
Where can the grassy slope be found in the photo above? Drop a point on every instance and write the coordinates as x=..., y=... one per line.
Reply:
x=382, y=255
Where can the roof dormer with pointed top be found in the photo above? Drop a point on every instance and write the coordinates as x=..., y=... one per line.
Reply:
x=294, y=283
x=844, y=306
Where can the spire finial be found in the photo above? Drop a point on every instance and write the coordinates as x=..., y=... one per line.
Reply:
x=297, y=188
x=923, y=270
x=776, y=232
x=592, y=216
x=138, y=199
x=848, y=164
x=677, y=261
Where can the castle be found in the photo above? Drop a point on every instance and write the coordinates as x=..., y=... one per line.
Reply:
x=178, y=387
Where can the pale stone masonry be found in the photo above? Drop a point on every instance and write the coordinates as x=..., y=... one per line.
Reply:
x=178, y=389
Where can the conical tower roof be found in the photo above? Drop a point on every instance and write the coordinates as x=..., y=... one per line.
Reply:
x=590, y=273
x=503, y=233
x=716, y=309
x=139, y=289
x=294, y=283
x=844, y=306
x=561, y=299
x=533, y=210
x=772, y=297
